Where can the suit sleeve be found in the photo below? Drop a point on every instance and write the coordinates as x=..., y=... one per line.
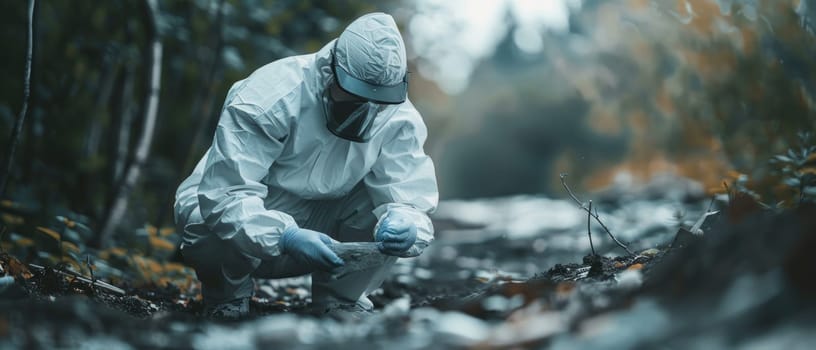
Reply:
x=403, y=179
x=230, y=194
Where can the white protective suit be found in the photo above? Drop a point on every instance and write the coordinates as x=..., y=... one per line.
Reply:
x=274, y=165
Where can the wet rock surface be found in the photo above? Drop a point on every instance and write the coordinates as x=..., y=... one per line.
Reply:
x=506, y=278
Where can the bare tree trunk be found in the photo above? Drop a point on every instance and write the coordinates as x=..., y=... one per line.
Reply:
x=106, y=80
x=123, y=112
x=18, y=124
x=201, y=111
x=125, y=120
x=89, y=179
x=131, y=175
x=205, y=115
x=34, y=126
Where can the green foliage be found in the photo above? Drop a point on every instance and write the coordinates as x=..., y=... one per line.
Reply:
x=144, y=257
x=797, y=168
x=789, y=182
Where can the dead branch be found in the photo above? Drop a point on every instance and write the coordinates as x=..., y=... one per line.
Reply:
x=589, y=231
x=124, y=119
x=90, y=270
x=595, y=215
x=18, y=124
x=93, y=282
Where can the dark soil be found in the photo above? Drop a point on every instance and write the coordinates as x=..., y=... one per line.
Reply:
x=743, y=276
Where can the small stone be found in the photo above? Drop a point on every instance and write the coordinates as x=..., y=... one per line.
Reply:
x=423, y=274
x=461, y=329
x=401, y=306
x=6, y=282
x=564, y=289
x=406, y=279
x=630, y=279
x=268, y=292
x=448, y=253
x=298, y=292
x=650, y=252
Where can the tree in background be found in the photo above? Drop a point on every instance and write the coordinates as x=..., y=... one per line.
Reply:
x=93, y=63
x=128, y=178
x=697, y=88
x=18, y=123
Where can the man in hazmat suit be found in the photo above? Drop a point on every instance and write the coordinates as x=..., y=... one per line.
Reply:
x=309, y=151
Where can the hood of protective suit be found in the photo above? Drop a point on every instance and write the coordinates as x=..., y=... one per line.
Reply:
x=367, y=74
x=371, y=50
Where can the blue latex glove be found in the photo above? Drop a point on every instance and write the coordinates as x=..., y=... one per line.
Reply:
x=396, y=234
x=310, y=248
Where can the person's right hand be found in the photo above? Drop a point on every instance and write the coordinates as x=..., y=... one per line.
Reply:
x=311, y=248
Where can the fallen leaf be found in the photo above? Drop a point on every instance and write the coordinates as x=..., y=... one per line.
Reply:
x=151, y=230
x=16, y=268
x=167, y=231
x=68, y=222
x=70, y=247
x=12, y=219
x=49, y=232
x=161, y=244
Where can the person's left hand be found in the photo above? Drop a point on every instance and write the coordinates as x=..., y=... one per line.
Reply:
x=396, y=234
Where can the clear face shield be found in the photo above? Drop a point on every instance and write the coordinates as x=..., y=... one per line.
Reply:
x=351, y=105
x=348, y=117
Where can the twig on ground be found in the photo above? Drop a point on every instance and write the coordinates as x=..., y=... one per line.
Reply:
x=589, y=212
x=90, y=270
x=710, y=204
x=589, y=231
x=97, y=283
x=697, y=227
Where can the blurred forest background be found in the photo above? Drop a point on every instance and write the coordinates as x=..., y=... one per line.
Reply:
x=615, y=93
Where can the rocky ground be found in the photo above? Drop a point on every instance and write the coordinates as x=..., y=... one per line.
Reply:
x=503, y=273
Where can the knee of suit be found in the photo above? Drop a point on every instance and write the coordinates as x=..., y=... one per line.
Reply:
x=211, y=253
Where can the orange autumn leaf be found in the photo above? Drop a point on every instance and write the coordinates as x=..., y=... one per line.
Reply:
x=49, y=232
x=634, y=267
